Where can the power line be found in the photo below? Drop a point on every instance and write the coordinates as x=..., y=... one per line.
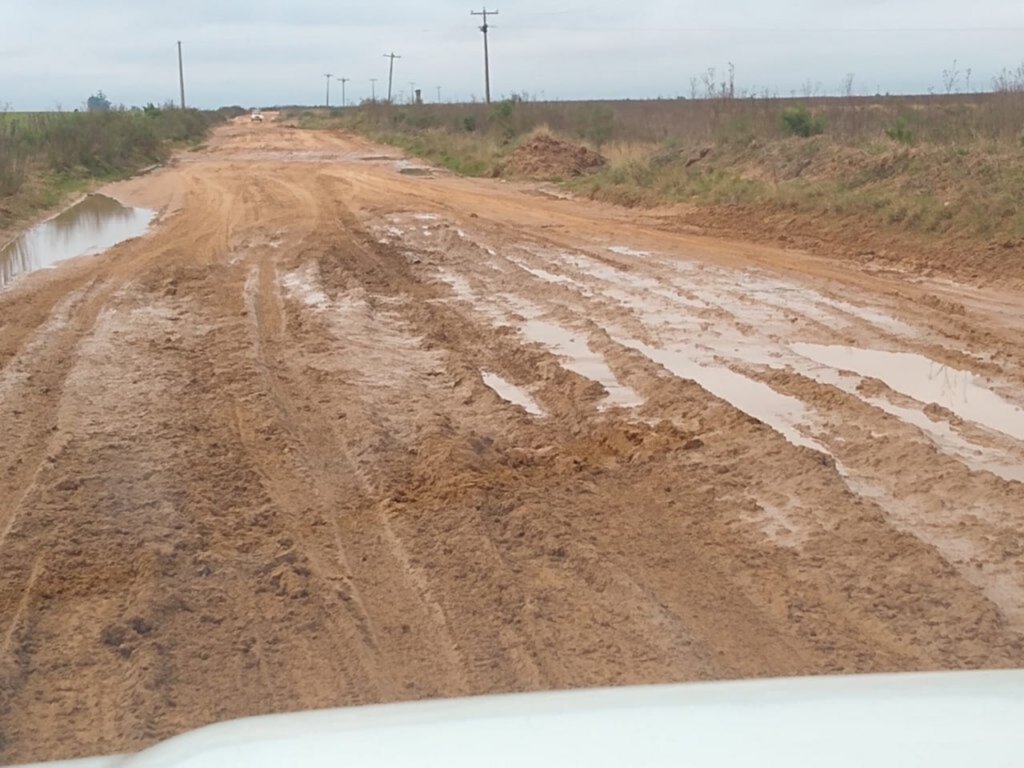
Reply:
x=487, y=56
x=391, y=71
x=765, y=29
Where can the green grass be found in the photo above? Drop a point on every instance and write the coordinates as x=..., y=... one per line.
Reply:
x=47, y=156
x=466, y=156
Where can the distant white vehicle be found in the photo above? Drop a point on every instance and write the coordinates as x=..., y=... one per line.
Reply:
x=890, y=721
x=257, y=116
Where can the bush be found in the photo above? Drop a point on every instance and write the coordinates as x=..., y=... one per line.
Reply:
x=503, y=116
x=900, y=132
x=798, y=121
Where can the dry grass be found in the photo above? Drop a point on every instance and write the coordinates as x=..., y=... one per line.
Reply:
x=940, y=165
x=931, y=119
x=975, y=192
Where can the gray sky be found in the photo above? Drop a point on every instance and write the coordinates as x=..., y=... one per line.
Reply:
x=56, y=52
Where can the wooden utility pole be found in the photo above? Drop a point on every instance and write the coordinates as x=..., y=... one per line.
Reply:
x=373, y=89
x=328, y=76
x=487, y=56
x=391, y=71
x=181, y=75
x=343, y=80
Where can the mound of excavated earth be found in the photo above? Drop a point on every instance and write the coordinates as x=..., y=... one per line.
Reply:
x=545, y=157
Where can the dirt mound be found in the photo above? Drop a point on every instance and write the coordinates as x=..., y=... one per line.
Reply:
x=545, y=157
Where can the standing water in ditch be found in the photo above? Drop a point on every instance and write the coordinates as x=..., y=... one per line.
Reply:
x=94, y=224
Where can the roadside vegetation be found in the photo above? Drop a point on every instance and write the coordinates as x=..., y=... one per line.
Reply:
x=940, y=165
x=46, y=156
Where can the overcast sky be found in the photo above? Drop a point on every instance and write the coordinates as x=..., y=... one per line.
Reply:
x=54, y=53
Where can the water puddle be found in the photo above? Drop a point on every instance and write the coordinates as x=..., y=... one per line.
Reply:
x=926, y=381
x=873, y=316
x=416, y=171
x=941, y=433
x=303, y=287
x=638, y=289
x=550, y=277
x=580, y=358
x=574, y=351
x=778, y=296
x=622, y=250
x=458, y=283
x=509, y=392
x=91, y=226
x=786, y=415
x=576, y=355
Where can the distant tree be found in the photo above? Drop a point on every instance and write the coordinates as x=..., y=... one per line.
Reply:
x=98, y=102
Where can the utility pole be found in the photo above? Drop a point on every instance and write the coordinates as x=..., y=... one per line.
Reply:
x=181, y=75
x=373, y=89
x=343, y=80
x=391, y=71
x=439, y=94
x=412, y=93
x=487, y=56
x=328, y=76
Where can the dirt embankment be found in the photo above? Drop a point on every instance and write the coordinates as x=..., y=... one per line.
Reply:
x=949, y=210
x=335, y=435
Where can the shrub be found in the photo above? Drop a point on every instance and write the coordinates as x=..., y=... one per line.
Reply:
x=504, y=110
x=503, y=116
x=900, y=131
x=799, y=121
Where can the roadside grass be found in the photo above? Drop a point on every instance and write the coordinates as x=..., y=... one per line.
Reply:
x=976, y=192
x=465, y=155
x=939, y=165
x=46, y=156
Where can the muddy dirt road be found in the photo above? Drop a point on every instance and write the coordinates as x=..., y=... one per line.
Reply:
x=340, y=430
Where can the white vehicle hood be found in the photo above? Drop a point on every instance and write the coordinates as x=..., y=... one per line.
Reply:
x=933, y=720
